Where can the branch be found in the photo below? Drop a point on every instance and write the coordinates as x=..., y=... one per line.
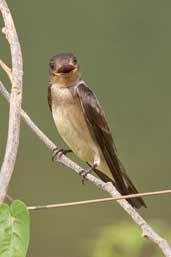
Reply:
x=15, y=101
x=106, y=199
x=6, y=69
x=147, y=231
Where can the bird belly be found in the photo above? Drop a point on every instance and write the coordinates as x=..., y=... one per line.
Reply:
x=73, y=128
x=103, y=167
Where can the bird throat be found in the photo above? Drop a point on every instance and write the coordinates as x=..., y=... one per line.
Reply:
x=65, y=80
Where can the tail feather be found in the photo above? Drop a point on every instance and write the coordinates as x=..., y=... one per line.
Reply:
x=135, y=202
x=138, y=202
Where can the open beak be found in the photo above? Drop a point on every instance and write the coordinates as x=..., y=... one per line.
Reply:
x=66, y=68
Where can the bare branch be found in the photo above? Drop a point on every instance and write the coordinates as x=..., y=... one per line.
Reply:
x=101, y=200
x=14, y=128
x=6, y=69
x=15, y=101
x=147, y=231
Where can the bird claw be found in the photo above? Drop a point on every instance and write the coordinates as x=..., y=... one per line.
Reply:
x=58, y=152
x=84, y=173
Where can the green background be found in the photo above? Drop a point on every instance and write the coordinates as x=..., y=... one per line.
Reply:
x=124, y=50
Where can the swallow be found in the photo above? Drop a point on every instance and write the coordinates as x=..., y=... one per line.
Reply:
x=81, y=122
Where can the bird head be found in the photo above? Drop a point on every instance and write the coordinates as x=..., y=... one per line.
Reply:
x=64, y=69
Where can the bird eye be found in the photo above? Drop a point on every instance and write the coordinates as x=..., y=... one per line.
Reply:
x=52, y=65
x=74, y=60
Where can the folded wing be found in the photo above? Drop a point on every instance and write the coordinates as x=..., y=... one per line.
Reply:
x=100, y=130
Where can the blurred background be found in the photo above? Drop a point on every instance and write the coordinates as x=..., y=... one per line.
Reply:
x=124, y=50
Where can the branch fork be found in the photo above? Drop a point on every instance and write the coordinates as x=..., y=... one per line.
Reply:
x=15, y=99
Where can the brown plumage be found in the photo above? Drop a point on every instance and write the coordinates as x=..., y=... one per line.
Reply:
x=49, y=97
x=100, y=130
x=81, y=122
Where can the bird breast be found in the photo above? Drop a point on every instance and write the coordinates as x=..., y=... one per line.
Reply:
x=71, y=123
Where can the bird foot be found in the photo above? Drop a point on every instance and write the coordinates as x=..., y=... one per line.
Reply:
x=58, y=152
x=84, y=173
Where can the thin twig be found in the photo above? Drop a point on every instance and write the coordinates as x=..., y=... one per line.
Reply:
x=15, y=101
x=147, y=231
x=6, y=69
x=91, y=201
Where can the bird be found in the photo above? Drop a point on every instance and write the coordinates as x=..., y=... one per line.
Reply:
x=81, y=122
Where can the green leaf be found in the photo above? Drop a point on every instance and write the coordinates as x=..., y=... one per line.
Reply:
x=14, y=229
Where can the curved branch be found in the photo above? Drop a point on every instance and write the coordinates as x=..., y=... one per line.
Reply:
x=14, y=128
x=15, y=101
x=147, y=231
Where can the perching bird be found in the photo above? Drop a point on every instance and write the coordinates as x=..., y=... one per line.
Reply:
x=81, y=122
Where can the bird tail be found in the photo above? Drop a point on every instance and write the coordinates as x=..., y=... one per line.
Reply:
x=137, y=202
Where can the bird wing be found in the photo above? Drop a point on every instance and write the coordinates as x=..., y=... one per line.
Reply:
x=49, y=97
x=100, y=130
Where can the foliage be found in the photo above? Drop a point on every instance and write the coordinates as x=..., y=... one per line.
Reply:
x=14, y=229
x=124, y=239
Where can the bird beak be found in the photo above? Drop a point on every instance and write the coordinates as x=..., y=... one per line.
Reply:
x=66, y=68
